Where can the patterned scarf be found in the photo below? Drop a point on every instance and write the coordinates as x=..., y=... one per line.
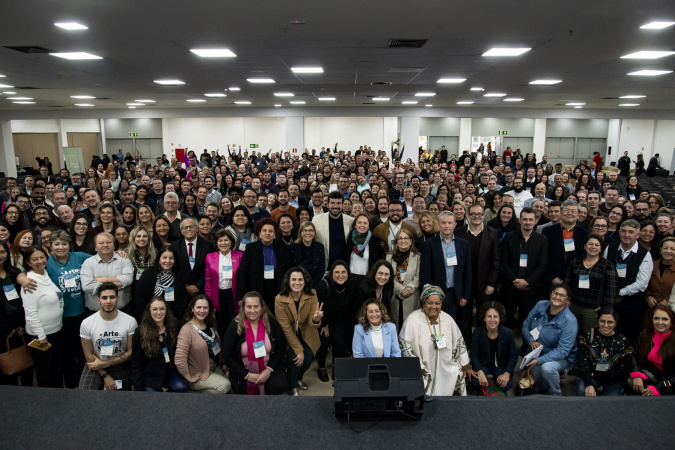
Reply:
x=164, y=280
x=360, y=241
x=401, y=265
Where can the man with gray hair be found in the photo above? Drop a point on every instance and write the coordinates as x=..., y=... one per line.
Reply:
x=171, y=212
x=565, y=242
x=65, y=215
x=634, y=269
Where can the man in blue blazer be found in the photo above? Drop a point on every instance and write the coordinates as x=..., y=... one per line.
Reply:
x=565, y=242
x=446, y=262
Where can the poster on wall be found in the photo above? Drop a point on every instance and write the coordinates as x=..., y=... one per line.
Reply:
x=477, y=141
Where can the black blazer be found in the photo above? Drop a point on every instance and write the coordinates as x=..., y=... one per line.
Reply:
x=232, y=353
x=432, y=266
x=149, y=372
x=185, y=276
x=251, y=274
x=557, y=263
x=489, y=258
x=364, y=291
x=375, y=250
x=145, y=290
x=315, y=265
x=507, y=353
x=535, y=271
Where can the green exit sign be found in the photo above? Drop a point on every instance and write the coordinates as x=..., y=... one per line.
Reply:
x=503, y=132
x=254, y=146
x=133, y=134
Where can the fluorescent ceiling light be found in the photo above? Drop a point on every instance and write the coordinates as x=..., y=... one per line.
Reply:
x=307, y=69
x=633, y=96
x=145, y=101
x=428, y=106
x=169, y=82
x=20, y=98
x=545, y=82
x=71, y=26
x=329, y=99
x=409, y=102
x=506, y=51
x=465, y=103
x=650, y=73
x=381, y=99
x=425, y=94
x=477, y=89
x=74, y=56
x=6, y=86
x=215, y=94
x=297, y=102
x=135, y=104
x=495, y=94
x=284, y=94
x=195, y=100
x=9, y=93
x=131, y=107
x=24, y=103
x=648, y=54
x=657, y=25
x=84, y=104
x=575, y=104
x=213, y=52
x=451, y=80
x=629, y=104
x=578, y=107
x=514, y=99
x=3, y=76
x=277, y=105
x=83, y=97
x=242, y=102
x=234, y=89
x=260, y=80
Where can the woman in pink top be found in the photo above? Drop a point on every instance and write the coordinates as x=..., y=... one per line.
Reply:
x=654, y=362
x=221, y=278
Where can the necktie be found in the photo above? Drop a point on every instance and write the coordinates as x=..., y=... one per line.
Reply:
x=190, y=249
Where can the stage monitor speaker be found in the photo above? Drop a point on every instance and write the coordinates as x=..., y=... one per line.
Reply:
x=378, y=387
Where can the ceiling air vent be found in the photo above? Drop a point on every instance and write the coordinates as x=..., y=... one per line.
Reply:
x=22, y=88
x=31, y=49
x=407, y=43
x=380, y=83
x=368, y=103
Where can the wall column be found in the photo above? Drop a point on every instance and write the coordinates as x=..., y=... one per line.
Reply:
x=295, y=134
x=539, y=138
x=410, y=134
x=7, y=157
x=464, y=135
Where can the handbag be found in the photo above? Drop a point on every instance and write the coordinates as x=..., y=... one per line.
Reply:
x=15, y=360
x=491, y=390
x=526, y=383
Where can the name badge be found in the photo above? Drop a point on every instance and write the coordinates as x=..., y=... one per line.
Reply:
x=401, y=199
x=139, y=272
x=167, y=358
x=523, y=260
x=107, y=347
x=259, y=349
x=118, y=385
x=169, y=294
x=192, y=260
x=569, y=245
x=10, y=292
x=269, y=272
x=602, y=365
x=584, y=282
x=621, y=270
x=242, y=245
x=631, y=196
x=70, y=280
x=440, y=341
x=216, y=347
x=402, y=272
x=534, y=332
x=451, y=259
x=227, y=272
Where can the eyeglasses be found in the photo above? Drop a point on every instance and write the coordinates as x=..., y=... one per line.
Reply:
x=558, y=294
x=80, y=224
x=476, y=214
x=42, y=214
x=614, y=213
x=599, y=226
x=403, y=238
x=188, y=227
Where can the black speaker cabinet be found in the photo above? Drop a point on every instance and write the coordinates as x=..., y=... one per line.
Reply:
x=378, y=387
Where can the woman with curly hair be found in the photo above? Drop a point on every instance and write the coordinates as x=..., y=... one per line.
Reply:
x=375, y=335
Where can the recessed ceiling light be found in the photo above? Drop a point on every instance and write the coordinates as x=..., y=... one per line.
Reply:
x=6, y=86
x=629, y=104
x=216, y=94
x=428, y=105
x=195, y=100
x=575, y=104
x=84, y=104
x=578, y=107
x=20, y=98
x=83, y=97
x=545, y=82
x=648, y=54
x=506, y=51
x=234, y=89
x=277, y=105
x=381, y=99
x=145, y=101
x=650, y=73
x=633, y=96
x=514, y=99
x=307, y=69
x=658, y=25
x=3, y=76
x=24, y=103
x=465, y=103
x=477, y=89
x=169, y=82
x=326, y=99
x=425, y=94
x=495, y=94
x=131, y=107
x=451, y=80
x=284, y=94
x=242, y=102
x=9, y=93
x=71, y=26
x=409, y=102
x=213, y=52
x=135, y=104
x=260, y=80
x=74, y=56
x=297, y=102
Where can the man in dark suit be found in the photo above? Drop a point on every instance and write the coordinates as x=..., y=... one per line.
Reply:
x=485, y=266
x=446, y=263
x=191, y=252
x=565, y=241
x=524, y=256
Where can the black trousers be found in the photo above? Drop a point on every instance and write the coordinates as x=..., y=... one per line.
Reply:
x=49, y=363
x=339, y=339
x=226, y=313
x=73, y=355
x=631, y=311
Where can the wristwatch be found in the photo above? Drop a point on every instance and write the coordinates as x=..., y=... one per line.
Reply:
x=105, y=374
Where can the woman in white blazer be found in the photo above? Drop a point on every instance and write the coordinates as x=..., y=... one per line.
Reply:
x=405, y=259
x=375, y=336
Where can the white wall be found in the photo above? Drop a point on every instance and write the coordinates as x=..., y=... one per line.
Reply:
x=664, y=142
x=350, y=132
x=35, y=126
x=637, y=136
x=80, y=126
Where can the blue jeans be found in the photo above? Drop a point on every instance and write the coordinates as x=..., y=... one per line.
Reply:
x=547, y=376
x=496, y=372
x=608, y=387
x=173, y=382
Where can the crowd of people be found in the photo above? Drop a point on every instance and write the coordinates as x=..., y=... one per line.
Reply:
x=234, y=272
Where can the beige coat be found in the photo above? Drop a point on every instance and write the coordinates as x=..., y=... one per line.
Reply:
x=322, y=230
x=288, y=317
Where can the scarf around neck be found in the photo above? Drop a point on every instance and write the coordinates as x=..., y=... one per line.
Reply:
x=250, y=339
x=360, y=241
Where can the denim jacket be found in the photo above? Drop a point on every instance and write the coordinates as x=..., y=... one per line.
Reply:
x=557, y=336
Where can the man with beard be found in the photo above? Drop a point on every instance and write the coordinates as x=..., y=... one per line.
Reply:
x=332, y=229
x=641, y=210
x=284, y=207
x=520, y=195
x=388, y=230
x=250, y=200
x=382, y=210
x=565, y=242
x=41, y=216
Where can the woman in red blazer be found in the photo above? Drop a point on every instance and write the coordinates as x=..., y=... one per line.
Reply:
x=221, y=279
